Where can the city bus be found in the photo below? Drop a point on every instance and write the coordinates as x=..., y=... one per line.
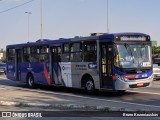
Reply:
x=101, y=61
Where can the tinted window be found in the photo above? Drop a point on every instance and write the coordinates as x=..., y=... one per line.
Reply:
x=11, y=55
x=76, y=57
x=43, y=58
x=34, y=58
x=26, y=58
x=34, y=50
x=26, y=50
x=11, y=51
x=66, y=47
x=43, y=49
x=76, y=47
x=65, y=57
x=90, y=51
x=76, y=52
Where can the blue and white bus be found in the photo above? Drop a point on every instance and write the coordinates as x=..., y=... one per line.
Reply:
x=116, y=62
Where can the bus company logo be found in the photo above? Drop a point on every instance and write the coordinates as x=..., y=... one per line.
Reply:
x=6, y=114
x=29, y=65
x=63, y=68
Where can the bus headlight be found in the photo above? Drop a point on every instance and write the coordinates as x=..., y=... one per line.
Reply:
x=125, y=79
x=122, y=78
x=128, y=77
x=150, y=77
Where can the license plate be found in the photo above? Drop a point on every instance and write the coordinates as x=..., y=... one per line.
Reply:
x=140, y=84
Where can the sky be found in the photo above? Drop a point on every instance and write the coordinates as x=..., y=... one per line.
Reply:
x=70, y=18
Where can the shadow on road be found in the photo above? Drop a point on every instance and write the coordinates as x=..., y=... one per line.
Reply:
x=65, y=90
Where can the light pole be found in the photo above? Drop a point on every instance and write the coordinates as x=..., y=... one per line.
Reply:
x=28, y=13
x=107, y=18
x=41, y=19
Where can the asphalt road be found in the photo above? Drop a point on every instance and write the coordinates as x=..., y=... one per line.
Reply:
x=145, y=96
x=136, y=99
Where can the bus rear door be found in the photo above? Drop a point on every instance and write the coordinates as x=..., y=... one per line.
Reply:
x=18, y=65
x=55, y=69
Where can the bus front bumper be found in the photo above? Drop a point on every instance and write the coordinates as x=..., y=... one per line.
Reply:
x=121, y=84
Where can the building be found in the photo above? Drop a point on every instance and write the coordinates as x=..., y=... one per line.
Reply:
x=2, y=55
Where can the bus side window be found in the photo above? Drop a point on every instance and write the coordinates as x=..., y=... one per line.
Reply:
x=65, y=57
x=43, y=53
x=11, y=55
x=26, y=54
x=34, y=58
x=65, y=53
x=26, y=58
x=90, y=51
x=76, y=52
x=43, y=58
x=34, y=54
x=44, y=49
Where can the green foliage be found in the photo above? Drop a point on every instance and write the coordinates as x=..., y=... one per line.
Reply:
x=156, y=50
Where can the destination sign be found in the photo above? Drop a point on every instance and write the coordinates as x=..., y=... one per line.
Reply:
x=133, y=38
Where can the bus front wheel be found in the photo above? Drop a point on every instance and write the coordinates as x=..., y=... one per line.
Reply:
x=30, y=81
x=89, y=86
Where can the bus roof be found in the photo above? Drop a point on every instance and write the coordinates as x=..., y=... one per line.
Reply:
x=109, y=37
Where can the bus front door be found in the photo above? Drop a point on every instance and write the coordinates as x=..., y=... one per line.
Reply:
x=106, y=66
x=18, y=65
x=55, y=67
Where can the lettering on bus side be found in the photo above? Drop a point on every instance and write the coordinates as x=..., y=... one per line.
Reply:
x=10, y=66
x=80, y=67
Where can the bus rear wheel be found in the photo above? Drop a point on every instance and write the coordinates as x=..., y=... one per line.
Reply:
x=30, y=81
x=89, y=86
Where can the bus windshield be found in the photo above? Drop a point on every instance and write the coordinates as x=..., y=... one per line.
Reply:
x=133, y=56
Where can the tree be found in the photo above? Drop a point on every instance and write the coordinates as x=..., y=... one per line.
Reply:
x=156, y=50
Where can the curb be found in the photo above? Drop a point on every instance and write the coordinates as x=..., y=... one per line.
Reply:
x=65, y=106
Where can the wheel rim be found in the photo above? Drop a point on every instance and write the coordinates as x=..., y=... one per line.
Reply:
x=89, y=85
x=30, y=81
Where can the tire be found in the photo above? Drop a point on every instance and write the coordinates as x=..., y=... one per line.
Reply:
x=89, y=86
x=30, y=81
